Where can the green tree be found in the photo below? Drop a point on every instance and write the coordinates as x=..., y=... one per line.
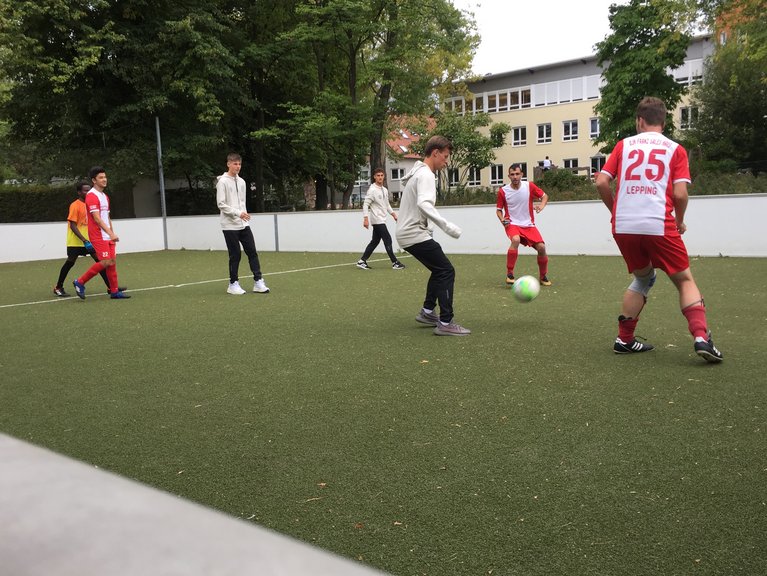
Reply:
x=473, y=143
x=646, y=41
x=732, y=101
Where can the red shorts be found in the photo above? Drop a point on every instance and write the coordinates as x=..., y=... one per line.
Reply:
x=105, y=250
x=528, y=236
x=665, y=252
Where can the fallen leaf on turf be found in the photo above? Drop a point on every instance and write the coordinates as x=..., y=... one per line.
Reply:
x=424, y=361
x=359, y=526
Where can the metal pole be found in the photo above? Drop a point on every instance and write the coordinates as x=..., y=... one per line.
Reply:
x=162, y=184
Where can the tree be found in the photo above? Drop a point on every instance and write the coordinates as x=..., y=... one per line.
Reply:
x=471, y=148
x=732, y=101
x=646, y=41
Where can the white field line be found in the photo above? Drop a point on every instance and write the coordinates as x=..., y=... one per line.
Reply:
x=104, y=294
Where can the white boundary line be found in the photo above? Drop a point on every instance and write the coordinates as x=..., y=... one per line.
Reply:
x=58, y=299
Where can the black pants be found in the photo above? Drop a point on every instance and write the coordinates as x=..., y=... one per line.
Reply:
x=380, y=232
x=73, y=253
x=233, y=240
x=442, y=279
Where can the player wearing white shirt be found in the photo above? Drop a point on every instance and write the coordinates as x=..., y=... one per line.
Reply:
x=651, y=174
x=516, y=211
x=375, y=209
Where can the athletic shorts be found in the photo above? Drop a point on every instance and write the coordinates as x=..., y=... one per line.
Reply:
x=76, y=251
x=665, y=252
x=528, y=235
x=105, y=250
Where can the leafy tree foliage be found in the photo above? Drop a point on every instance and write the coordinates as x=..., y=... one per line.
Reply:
x=645, y=42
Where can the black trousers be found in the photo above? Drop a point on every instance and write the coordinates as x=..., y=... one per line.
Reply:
x=439, y=289
x=233, y=240
x=380, y=232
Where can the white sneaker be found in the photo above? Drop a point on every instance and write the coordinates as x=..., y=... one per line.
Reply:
x=260, y=286
x=235, y=288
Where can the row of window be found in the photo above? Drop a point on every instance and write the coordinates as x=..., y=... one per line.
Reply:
x=569, y=132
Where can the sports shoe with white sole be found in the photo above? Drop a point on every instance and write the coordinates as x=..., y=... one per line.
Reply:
x=397, y=266
x=451, y=329
x=621, y=347
x=59, y=291
x=79, y=289
x=260, y=287
x=706, y=350
x=429, y=318
x=235, y=288
x=363, y=265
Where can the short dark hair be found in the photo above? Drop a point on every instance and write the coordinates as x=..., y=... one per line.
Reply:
x=377, y=170
x=437, y=143
x=233, y=157
x=652, y=110
x=517, y=165
x=82, y=184
x=95, y=171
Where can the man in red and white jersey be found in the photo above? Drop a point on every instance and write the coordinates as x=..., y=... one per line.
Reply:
x=516, y=211
x=651, y=174
x=101, y=235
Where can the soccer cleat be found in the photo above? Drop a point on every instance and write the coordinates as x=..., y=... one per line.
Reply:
x=509, y=279
x=235, y=288
x=79, y=289
x=260, y=286
x=363, y=265
x=59, y=291
x=398, y=266
x=545, y=281
x=621, y=347
x=119, y=295
x=119, y=289
x=451, y=329
x=708, y=351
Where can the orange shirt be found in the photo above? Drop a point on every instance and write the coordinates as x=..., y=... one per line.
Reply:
x=77, y=215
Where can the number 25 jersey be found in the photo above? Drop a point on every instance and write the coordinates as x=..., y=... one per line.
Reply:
x=646, y=167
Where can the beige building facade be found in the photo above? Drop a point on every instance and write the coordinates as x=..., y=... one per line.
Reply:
x=551, y=113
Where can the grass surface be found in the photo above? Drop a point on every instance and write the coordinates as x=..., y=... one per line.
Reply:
x=324, y=411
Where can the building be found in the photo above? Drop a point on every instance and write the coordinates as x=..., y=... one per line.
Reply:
x=551, y=111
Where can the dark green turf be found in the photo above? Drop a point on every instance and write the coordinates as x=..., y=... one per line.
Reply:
x=324, y=411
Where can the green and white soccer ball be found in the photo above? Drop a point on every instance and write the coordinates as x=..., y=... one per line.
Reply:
x=526, y=288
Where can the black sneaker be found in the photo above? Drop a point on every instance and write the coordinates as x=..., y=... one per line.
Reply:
x=363, y=265
x=621, y=347
x=509, y=279
x=397, y=266
x=60, y=292
x=708, y=351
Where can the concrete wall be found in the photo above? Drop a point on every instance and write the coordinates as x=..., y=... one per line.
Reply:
x=717, y=225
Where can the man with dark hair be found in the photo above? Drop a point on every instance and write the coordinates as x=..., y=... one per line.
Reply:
x=516, y=212
x=77, y=239
x=414, y=233
x=374, y=211
x=231, y=200
x=648, y=208
x=102, y=235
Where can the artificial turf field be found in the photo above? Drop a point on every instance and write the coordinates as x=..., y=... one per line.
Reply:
x=324, y=411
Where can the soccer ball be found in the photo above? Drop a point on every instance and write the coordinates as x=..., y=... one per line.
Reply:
x=526, y=288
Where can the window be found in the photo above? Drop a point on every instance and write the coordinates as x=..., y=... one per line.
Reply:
x=570, y=163
x=473, y=176
x=597, y=162
x=544, y=133
x=519, y=99
x=496, y=174
x=523, y=167
x=479, y=104
x=569, y=130
x=492, y=103
x=452, y=176
x=519, y=136
x=397, y=173
x=503, y=101
x=688, y=117
x=594, y=128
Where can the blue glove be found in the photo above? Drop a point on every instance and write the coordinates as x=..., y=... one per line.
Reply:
x=88, y=246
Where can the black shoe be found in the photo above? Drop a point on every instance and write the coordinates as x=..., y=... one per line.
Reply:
x=364, y=265
x=708, y=351
x=60, y=292
x=397, y=266
x=621, y=347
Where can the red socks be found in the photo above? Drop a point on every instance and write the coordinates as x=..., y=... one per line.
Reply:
x=626, y=327
x=696, y=320
x=511, y=260
x=91, y=272
x=543, y=265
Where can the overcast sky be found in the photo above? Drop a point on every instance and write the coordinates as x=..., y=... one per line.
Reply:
x=520, y=34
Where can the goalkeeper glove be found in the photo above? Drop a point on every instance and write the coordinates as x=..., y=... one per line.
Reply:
x=88, y=246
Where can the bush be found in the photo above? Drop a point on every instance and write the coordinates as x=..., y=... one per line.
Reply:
x=35, y=202
x=563, y=184
x=713, y=183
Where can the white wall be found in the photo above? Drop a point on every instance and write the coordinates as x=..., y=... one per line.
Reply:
x=717, y=225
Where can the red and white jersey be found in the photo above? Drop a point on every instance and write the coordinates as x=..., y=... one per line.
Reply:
x=646, y=167
x=517, y=205
x=96, y=201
